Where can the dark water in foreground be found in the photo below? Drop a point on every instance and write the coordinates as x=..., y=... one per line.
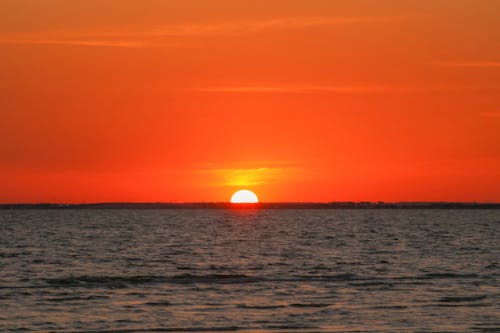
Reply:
x=250, y=270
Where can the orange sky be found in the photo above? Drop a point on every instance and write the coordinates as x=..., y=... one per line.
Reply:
x=190, y=100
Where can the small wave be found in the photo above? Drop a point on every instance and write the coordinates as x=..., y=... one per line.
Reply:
x=485, y=329
x=280, y=306
x=390, y=307
x=321, y=268
x=309, y=305
x=110, y=281
x=372, y=284
x=127, y=321
x=184, y=268
x=457, y=299
x=13, y=254
x=446, y=276
x=261, y=307
x=460, y=305
x=158, y=303
x=127, y=281
x=335, y=277
x=349, y=263
x=214, y=278
x=124, y=281
x=172, y=329
x=200, y=329
x=492, y=266
x=290, y=327
x=68, y=299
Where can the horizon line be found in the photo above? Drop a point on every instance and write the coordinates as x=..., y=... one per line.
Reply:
x=265, y=203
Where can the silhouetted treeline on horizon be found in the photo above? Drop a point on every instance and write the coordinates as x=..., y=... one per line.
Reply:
x=262, y=205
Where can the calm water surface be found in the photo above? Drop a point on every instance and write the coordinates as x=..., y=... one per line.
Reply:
x=249, y=270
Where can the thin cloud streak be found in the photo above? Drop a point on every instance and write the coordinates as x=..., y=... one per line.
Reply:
x=340, y=89
x=298, y=89
x=471, y=64
x=490, y=114
x=158, y=36
x=246, y=27
x=76, y=42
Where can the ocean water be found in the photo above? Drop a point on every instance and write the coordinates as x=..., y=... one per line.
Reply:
x=310, y=270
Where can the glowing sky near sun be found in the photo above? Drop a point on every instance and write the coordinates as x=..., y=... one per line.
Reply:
x=185, y=100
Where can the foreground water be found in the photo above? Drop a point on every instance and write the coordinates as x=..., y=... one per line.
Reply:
x=249, y=270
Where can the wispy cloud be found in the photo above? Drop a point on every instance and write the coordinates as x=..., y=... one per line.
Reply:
x=79, y=42
x=490, y=114
x=470, y=64
x=255, y=26
x=338, y=89
x=300, y=89
x=169, y=35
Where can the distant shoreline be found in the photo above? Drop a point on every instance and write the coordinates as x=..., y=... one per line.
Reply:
x=263, y=205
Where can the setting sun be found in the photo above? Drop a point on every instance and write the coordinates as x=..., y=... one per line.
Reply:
x=244, y=196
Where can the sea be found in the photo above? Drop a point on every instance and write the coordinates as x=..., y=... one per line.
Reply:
x=249, y=270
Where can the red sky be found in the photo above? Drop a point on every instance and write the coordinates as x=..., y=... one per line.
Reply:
x=191, y=100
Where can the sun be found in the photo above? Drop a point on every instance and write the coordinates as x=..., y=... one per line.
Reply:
x=244, y=196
